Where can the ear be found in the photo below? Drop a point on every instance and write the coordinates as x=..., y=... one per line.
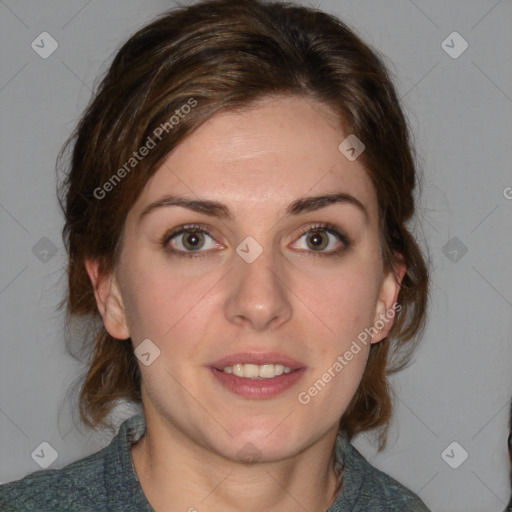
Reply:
x=109, y=300
x=384, y=311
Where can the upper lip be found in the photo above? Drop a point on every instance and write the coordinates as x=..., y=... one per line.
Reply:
x=258, y=358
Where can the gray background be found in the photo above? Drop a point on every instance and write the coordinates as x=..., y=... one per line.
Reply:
x=458, y=388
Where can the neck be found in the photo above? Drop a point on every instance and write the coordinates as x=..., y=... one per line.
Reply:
x=176, y=473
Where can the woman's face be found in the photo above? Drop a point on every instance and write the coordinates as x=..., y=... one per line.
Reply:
x=263, y=284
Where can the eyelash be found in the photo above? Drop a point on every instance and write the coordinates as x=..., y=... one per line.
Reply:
x=329, y=228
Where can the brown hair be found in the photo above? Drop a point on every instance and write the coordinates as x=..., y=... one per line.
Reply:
x=225, y=55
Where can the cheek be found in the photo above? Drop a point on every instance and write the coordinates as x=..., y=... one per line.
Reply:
x=161, y=304
x=343, y=302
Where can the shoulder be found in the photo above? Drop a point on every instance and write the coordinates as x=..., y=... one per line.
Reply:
x=370, y=490
x=75, y=487
x=104, y=480
x=388, y=493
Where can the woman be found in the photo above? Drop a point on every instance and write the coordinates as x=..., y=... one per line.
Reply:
x=236, y=208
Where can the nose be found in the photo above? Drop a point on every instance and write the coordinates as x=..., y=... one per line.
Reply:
x=258, y=295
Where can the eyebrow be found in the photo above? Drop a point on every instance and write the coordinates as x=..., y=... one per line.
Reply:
x=220, y=210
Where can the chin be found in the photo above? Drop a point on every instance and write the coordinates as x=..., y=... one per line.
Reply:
x=261, y=443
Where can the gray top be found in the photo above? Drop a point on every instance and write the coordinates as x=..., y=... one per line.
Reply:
x=107, y=481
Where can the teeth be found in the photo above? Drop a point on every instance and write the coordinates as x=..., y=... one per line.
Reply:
x=255, y=371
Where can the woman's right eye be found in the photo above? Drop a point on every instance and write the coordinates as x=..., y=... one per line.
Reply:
x=189, y=241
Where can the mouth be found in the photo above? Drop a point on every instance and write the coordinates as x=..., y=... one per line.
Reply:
x=257, y=375
x=255, y=371
x=257, y=364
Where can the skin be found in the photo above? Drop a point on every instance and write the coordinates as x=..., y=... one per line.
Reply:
x=290, y=299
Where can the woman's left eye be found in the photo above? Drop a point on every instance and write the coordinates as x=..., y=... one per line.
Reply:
x=323, y=239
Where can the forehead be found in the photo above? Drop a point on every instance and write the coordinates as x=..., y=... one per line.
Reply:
x=263, y=157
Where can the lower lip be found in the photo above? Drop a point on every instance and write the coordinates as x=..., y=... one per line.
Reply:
x=258, y=388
